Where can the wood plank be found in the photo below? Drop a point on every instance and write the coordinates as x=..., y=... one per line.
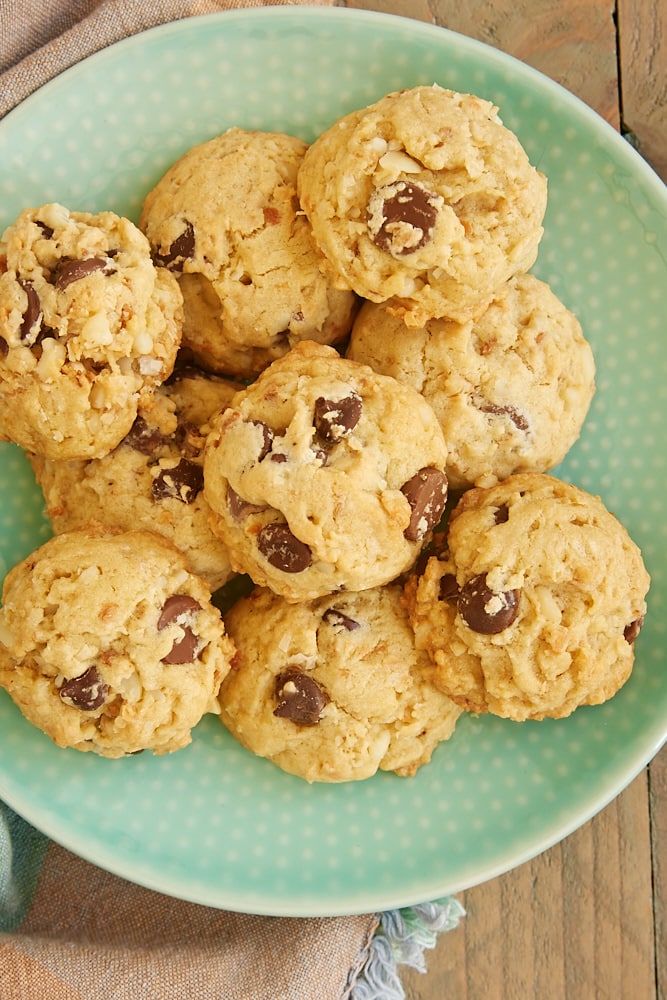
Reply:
x=574, y=922
x=658, y=813
x=570, y=41
x=417, y=9
x=642, y=27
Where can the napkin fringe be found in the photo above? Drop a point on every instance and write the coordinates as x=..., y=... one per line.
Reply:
x=401, y=938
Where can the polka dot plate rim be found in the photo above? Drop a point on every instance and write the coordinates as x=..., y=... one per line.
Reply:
x=212, y=823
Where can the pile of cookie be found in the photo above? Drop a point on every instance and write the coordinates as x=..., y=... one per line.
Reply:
x=264, y=398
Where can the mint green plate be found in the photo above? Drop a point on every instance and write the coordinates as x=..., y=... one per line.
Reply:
x=212, y=823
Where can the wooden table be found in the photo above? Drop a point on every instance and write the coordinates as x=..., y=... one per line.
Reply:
x=587, y=920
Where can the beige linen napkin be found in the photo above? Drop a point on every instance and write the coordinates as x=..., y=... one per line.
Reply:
x=40, y=38
x=88, y=935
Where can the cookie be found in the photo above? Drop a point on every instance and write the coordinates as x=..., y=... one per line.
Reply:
x=535, y=607
x=153, y=479
x=324, y=476
x=426, y=198
x=88, y=328
x=226, y=220
x=334, y=689
x=109, y=644
x=511, y=389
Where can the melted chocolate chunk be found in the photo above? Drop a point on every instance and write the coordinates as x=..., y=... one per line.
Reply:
x=426, y=493
x=4, y=348
x=517, y=418
x=182, y=249
x=188, y=438
x=335, y=419
x=485, y=611
x=632, y=630
x=69, y=271
x=87, y=691
x=184, y=482
x=238, y=507
x=332, y=616
x=144, y=437
x=175, y=609
x=32, y=314
x=300, y=698
x=448, y=590
x=282, y=549
x=267, y=441
x=501, y=514
x=408, y=214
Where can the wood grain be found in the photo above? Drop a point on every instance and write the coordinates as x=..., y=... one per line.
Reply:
x=417, y=9
x=573, y=43
x=575, y=922
x=642, y=26
x=658, y=815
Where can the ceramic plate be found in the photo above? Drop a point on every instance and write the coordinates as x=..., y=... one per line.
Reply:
x=211, y=823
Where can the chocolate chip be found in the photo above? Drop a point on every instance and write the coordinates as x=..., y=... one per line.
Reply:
x=332, y=616
x=485, y=611
x=238, y=507
x=517, y=418
x=448, y=590
x=69, y=271
x=87, y=691
x=426, y=493
x=144, y=437
x=183, y=482
x=182, y=249
x=282, y=549
x=632, y=630
x=188, y=438
x=4, y=348
x=32, y=314
x=334, y=419
x=501, y=514
x=175, y=609
x=267, y=438
x=300, y=698
x=402, y=217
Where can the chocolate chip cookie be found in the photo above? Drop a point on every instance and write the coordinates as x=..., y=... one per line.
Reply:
x=226, y=220
x=88, y=327
x=535, y=606
x=324, y=476
x=511, y=389
x=108, y=643
x=426, y=198
x=334, y=689
x=154, y=478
